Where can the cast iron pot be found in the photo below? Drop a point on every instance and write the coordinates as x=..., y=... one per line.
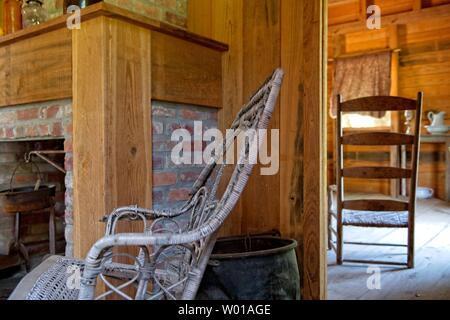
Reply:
x=25, y=199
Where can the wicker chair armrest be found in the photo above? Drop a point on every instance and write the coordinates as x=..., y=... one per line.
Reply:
x=133, y=213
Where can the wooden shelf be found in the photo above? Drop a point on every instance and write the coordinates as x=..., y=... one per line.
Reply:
x=109, y=10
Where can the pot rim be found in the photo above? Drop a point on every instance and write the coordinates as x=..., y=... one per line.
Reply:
x=292, y=244
x=42, y=187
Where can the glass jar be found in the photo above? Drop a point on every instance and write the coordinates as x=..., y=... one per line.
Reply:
x=33, y=13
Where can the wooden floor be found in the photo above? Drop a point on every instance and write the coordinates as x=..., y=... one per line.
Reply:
x=430, y=279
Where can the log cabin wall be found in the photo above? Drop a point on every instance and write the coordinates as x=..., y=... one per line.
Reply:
x=422, y=31
x=263, y=35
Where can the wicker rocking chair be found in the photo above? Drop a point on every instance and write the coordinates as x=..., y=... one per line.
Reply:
x=175, y=245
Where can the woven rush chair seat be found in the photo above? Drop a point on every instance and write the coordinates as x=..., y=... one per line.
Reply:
x=174, y=244
x=380, y=219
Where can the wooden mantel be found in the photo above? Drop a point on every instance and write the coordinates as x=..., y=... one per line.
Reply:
x=111, y=68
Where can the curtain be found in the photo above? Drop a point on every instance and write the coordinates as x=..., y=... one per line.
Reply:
x=362, y=76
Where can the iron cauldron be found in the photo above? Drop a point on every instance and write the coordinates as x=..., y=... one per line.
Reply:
x=26, y=199
x=252, y=268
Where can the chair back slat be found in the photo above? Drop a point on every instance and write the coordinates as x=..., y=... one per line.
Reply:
x=375, y=205
x=378, y=103
x=376, y=173
x=377, y=139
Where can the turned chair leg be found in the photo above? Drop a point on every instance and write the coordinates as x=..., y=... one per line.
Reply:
x=339, y=242
x=51, y=231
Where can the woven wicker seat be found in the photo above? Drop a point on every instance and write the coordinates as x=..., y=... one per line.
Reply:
x=175, y=244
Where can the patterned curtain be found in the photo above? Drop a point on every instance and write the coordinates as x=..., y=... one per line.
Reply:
x=362, y=76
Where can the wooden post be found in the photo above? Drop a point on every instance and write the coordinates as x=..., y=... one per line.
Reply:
x=313, y=84
x=111, y=120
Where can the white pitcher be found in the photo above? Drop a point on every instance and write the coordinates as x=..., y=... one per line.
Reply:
x=437, y=119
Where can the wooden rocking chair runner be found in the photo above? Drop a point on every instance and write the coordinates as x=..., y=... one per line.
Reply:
x=375, y=213
x=175, y=245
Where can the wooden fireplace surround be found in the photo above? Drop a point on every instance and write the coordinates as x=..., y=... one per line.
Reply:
x=111, y=68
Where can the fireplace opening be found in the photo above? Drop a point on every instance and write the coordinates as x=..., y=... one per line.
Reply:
x=34, y=227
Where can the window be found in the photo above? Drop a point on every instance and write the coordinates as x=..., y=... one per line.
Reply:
x=357, y=121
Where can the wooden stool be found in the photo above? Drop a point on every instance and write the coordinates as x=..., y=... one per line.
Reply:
x=26, y=201
x=51, y=235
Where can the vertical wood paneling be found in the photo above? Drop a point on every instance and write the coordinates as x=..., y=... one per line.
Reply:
x=38, y=69
x=262, y=54
x=223, y=21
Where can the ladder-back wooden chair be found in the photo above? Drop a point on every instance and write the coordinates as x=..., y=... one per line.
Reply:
x=175, y=244
x=370, y=212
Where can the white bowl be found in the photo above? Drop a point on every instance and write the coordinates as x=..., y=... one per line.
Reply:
x=424, y=193
x=437, y=130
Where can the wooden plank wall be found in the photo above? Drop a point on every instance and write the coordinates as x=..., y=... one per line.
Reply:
x=38, y=69
x=424, y=65
x=263, y=35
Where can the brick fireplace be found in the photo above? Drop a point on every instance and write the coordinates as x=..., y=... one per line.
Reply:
x=49, y=126
x=41, y=126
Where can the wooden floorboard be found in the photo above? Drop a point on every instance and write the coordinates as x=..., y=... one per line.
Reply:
x=430, y=279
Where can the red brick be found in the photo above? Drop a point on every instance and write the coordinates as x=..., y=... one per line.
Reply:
x=52, y=112
x=9, y=133
x=179, y=195
x=31, y=132
x=162, y=111
x=57, y=130
x=175, y=126
x=28, y=114
x=68, y=145
x=68, y=129
x=68, y=163
x=164, y=179
x=44, y=130
x=189, y=176
x=158, y=196
x=176, y=19
x=148, y=10
x=158, y=162
x=7, y=117
x=193, y=115
x=19, y=132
